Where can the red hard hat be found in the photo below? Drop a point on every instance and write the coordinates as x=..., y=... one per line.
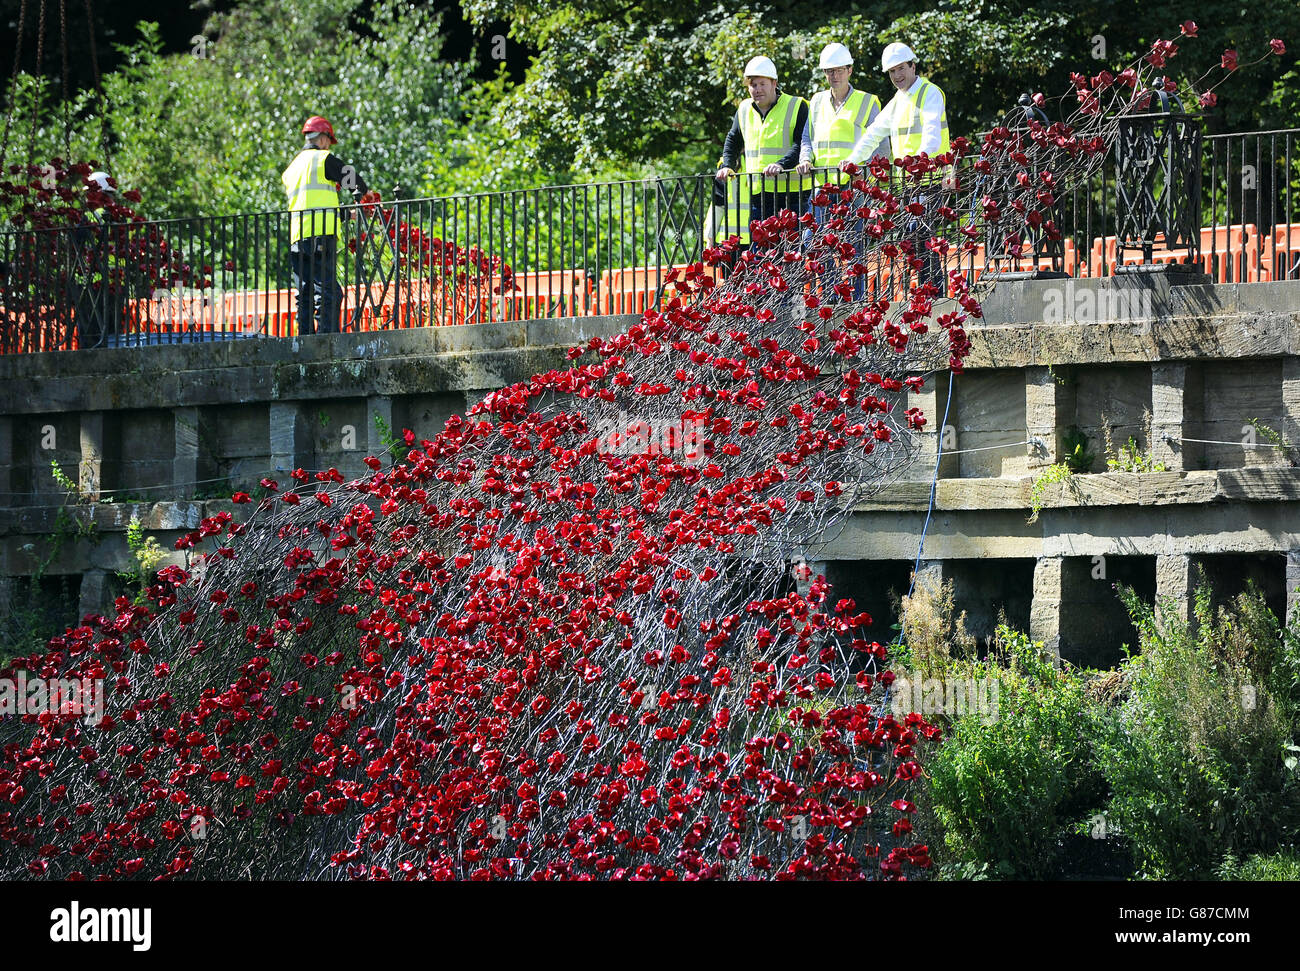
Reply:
x=318, y=124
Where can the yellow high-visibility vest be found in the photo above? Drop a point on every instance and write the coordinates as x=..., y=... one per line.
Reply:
x=835, y=131
x=767, y=139
x=313, y=199
x=906, y=122
x=735, y=214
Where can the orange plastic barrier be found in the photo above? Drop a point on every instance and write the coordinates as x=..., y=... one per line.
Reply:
x=631, y=289
x=546, y=293
x=1235, y=257
x=1279, y=257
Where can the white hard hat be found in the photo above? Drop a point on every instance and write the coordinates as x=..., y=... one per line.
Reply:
x=896, y=54
x=760, y=67
x=101, y=180
x=835, y=55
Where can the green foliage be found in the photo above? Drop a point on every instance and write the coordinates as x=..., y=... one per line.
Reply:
x=63, y=479
x=392, y=444
x=1131, y=458
x=622, y=80
x=1075, y=445
x=147, y=555
x=209, y=131
x=1060, y=472
x=1004, y=791
x=1276, y=439
x=1283, y=865
x=1197, y=759
x=614, y=89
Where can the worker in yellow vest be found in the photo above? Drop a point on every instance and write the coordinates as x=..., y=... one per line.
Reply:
x=312, y=183
x=767, y=131
x=915, y=121
x=837, y=117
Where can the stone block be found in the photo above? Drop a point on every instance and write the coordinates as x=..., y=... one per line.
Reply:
x=1045, y=609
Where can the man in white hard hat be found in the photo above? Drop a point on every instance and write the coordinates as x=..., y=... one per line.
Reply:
x=837, y=117
x=915, y=121
x=766, y=134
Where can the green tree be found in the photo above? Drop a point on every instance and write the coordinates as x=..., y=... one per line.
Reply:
x=208, y=131
x=630, y=81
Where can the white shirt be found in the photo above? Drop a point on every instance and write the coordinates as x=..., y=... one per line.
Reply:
x=932, y=113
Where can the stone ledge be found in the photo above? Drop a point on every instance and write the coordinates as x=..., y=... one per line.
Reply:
x=1082, y=491
x=1187, y=323
x=1260, y=484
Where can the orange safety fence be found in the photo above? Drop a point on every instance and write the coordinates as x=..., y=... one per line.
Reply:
x=546, y=293
x=1279, y=257
x=1229, y=254
x=632, y=289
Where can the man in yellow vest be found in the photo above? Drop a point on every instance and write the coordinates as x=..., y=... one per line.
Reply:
x=312, y=182
x=914, y=121
x=767, y=131
x=837, y=117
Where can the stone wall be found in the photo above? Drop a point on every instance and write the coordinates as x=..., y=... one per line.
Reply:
x=152, y=428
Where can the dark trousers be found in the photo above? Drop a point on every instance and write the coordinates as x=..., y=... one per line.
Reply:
x=319, y=294
x=764, y=205
x=931, y=264
x=96, y=313
x=854, y=231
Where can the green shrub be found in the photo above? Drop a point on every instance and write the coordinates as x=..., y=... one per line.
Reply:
x=1283, y=865
x=1201, y=760
x=1004, y=791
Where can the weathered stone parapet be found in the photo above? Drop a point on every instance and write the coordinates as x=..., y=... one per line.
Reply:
x=1292, y=586
x=933, y=399
x=1291, y=401
x=96, y=593
x=1176, y=398
x=930, y=573
x=379, y=406
x=1049, y=406
x=192, y=464
x=7, y=484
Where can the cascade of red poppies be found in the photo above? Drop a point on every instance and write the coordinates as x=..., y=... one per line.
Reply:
x=558, y=640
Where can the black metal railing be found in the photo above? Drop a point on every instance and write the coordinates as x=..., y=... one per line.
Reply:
x=1249, y=214
x=557, y=251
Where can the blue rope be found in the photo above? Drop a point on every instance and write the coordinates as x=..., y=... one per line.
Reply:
x=925, y=528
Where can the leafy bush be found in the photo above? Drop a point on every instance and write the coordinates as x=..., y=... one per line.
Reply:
x=1283, y=865
x=1003, y=792
x=1201, y=760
